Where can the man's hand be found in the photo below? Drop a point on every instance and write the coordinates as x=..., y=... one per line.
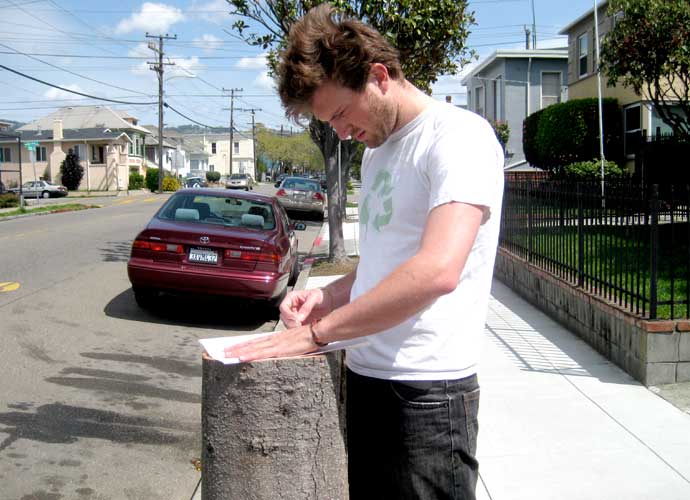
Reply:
x=292, y=342
x=301, y=307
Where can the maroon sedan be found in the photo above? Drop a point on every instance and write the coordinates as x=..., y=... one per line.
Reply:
x=215, y=242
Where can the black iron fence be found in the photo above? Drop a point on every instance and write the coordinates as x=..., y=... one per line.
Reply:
x=631, y=246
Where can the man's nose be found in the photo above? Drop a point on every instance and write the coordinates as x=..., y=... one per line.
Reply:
x=342, y=129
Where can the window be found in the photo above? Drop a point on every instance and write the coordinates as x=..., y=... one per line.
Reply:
x=583, y=51
x=5, y=155
x=213, y=148
x=76, y=149
x=97, y=154
x=479, y=100
x=236, y=148
x=633, y=129
x=41, y=153
x=211, y=168
x=550, y=88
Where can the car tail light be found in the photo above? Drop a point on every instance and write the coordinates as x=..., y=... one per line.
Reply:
x=317, y=196
x=281, y=192
x=157, y=246
x=254, y=256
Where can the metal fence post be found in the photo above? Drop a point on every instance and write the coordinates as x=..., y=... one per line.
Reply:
x=653, y=250
x=529, y=221
x=580, y=239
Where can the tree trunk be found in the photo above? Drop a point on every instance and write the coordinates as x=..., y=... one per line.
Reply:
x=274, y=430
x=327, y=140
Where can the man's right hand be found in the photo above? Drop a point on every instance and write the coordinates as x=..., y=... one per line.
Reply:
x=301, y=307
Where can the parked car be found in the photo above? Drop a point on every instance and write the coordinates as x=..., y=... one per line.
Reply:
x=215, y=242
x=195, y=182
x=42, y=189
x=240, y=181
x=301, y=195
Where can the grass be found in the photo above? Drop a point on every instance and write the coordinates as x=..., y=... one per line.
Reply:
x=323, y=267
x=68, y=207
x=351, y=204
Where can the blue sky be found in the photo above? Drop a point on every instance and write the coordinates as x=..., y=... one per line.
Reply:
x=100, y=48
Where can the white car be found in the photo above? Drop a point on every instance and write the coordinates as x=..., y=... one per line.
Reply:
x=240, y=181
x=43, y=189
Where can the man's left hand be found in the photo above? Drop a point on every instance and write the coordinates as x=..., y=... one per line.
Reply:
x=287, y=343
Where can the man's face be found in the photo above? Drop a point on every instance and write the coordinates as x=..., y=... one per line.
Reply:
x=365, y=116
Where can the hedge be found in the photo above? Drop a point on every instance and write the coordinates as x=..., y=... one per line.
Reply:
x=568, y=132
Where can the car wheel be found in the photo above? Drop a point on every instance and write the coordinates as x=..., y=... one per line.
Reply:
x=45, y=194
x=146, y=297
x=246, y=189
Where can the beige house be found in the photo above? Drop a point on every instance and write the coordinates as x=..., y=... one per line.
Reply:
x=109, y=144
x=218, y=146
x=640, y=118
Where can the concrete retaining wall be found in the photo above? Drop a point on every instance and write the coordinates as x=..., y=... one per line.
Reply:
x=653, y=352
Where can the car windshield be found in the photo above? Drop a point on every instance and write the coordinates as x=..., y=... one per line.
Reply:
x=221, y=210
x=301, y=184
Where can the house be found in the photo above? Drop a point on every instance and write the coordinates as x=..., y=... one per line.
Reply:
x=640, y=119
x=509, y=85
x=109, y=144
x=216, y=148
x=174, y=155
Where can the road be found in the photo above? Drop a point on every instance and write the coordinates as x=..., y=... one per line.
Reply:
x=99, y=399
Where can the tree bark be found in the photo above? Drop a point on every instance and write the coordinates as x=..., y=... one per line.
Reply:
x=274, y=430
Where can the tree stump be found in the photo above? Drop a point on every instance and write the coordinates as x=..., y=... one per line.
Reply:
x=273, y=430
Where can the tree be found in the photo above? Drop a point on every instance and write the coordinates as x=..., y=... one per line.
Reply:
x=648, y=49
x=71, y=172
x=430, y=35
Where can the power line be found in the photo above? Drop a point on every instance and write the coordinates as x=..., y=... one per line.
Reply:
x=91, y=56
x=70, y=72
x=185, y=116
x=74, y=91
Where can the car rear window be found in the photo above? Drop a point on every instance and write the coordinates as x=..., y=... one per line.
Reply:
x=238, y=176
x=220, y=210
x=301, y=185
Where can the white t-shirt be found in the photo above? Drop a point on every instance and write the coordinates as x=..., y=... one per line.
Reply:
x=445, y=154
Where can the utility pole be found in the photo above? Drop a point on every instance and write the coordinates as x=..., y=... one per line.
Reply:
x=527, y=37
x=158, y=68
x=232, y=124
x=252, y=111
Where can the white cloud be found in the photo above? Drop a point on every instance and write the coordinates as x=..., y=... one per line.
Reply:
x=208, y=42
x=264, y=81
x=212, y=11
x=258, y=62
x=54, y=93
x=153, y=17
x=183, y=67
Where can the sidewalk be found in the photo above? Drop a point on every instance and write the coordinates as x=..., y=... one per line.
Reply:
x=557, y=420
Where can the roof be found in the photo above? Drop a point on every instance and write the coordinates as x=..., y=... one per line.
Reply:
x=82, y=134
x=584, y=16
x=84, y=117
x=168, y=142
x=516, y=54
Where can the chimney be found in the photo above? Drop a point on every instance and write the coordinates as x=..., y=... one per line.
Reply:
x=449, y=99
x=57, y=130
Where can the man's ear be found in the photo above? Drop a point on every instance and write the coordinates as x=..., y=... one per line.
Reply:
x=378, y=75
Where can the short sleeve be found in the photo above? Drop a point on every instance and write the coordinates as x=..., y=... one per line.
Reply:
x=465, y=162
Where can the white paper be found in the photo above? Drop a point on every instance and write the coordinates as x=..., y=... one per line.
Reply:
x=215, y=347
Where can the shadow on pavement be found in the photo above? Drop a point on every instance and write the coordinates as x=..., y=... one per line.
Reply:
x=222, y=313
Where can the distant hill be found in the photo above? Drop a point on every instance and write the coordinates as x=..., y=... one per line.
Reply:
x=196, y=129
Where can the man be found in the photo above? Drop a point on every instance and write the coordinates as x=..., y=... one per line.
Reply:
x=432, y=183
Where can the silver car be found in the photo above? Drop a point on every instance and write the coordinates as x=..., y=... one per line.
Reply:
x=301, y=195
x=240, y=181
x=43, y=189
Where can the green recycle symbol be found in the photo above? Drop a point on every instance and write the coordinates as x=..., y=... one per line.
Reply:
x=382, y=189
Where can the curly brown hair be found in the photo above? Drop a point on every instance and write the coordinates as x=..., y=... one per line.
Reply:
x=325, y=46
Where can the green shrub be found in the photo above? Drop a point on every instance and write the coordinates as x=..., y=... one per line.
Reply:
x=9, y=200
x=71, y=172
x=591, y=170
x=502, y=131
x=136, y=181
x=170, y=184
x=212, y=176
x=568, y=132
x=152, y=179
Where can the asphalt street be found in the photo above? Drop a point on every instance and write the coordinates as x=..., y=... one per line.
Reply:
x=99, y=399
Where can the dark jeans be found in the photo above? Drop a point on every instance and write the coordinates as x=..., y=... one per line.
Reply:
x=411, y=439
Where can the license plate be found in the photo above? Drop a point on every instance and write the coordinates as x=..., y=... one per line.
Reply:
x=203, y=256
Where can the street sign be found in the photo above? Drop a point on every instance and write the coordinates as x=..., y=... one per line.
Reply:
x=31, y=145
